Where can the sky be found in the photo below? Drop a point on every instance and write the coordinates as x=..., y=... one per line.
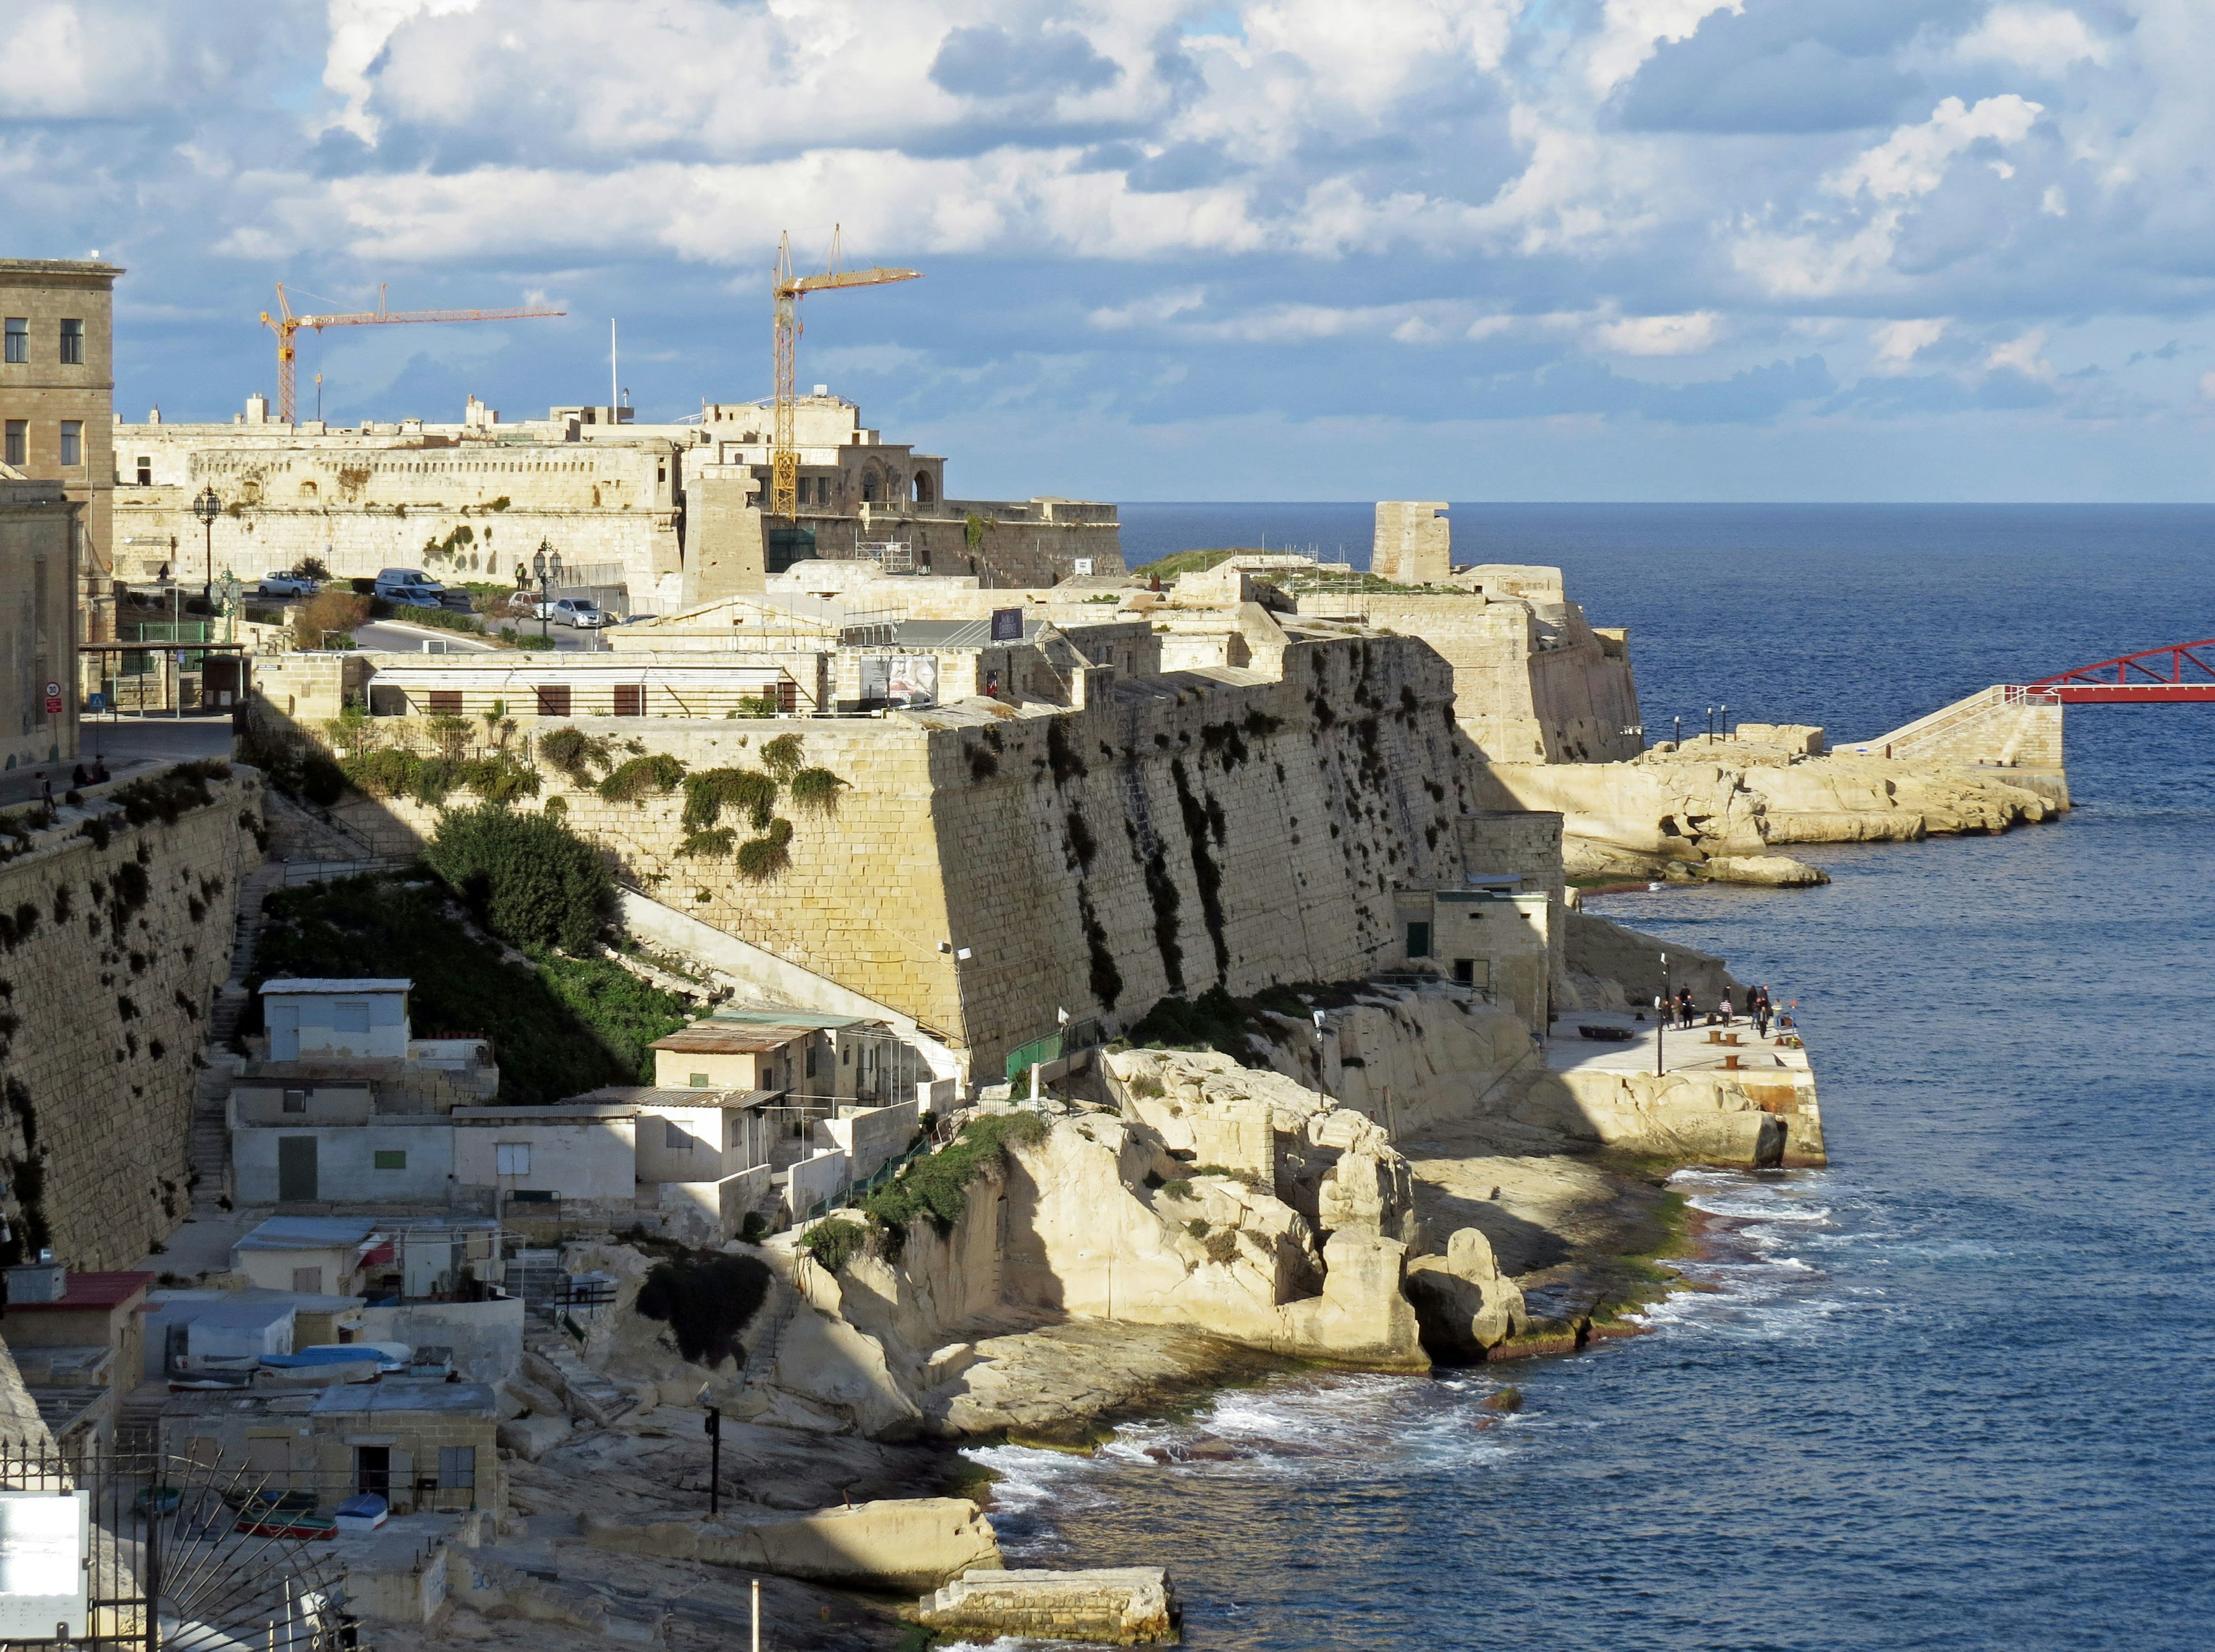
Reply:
x=1502, y=249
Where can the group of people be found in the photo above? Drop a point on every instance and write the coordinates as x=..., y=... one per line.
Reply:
x=1759, y=1009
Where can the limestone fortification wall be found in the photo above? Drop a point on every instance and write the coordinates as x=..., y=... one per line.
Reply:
x=1994, y=726
x=109, y=959
x=1188, y=831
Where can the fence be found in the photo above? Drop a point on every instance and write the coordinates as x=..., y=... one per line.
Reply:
x=183, y=1555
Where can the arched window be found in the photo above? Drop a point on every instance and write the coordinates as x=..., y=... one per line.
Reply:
x=922, y=491
x=870, y=487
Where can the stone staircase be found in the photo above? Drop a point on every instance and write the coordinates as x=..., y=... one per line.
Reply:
x=552, y=1363
x=208, y=1146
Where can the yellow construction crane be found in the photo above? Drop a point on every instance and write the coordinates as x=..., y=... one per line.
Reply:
x=784, y=457
x=285, y=323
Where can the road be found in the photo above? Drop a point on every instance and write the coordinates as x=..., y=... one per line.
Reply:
x=399, y=637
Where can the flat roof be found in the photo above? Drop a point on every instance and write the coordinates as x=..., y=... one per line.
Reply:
x=709, y=1038
x=639, y=1097
x=389, y=1394
x=779, y=1016
x=312, y=984
x=306, y=1234
x=90, y=1291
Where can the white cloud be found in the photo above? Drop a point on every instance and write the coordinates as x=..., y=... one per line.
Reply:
x=1912, y=160
x=2025, y=355
x=1632, y=31
x=1150, y=312
x=1898, y=343
x=1660, y=335
x=2054, y=202
x=2041, y=38
x=360, y=32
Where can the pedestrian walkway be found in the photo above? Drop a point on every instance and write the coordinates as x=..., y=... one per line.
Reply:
x=1684, y=1049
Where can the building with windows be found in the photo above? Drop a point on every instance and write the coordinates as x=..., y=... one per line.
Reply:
x=40, y=526
x=57, y=417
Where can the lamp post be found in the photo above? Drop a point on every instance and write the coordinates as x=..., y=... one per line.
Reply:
x=1661, y=1021
x=1726, y=718
x=546, y=568
x=714, y=1425
x=207, y=507
x=1711, y=725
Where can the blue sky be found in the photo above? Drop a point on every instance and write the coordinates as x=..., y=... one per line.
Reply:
x=1574, y=250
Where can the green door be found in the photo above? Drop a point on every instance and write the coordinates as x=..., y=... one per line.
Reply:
x=296, y=1170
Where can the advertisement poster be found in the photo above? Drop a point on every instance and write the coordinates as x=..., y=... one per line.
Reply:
x=902, y=680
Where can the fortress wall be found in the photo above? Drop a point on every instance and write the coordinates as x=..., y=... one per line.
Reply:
x=1190, y=830
x=104, y=985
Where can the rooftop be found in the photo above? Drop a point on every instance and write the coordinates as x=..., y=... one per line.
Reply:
x=642, y=1096
x=401, y=1394
x=310, y=984
x=717, y=1037
x=90, y=1291
x=307, y=1233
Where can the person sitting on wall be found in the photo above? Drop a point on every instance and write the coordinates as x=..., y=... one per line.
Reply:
x=78, y=779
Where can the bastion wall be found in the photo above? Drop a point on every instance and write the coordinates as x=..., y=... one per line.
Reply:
x=109, y=959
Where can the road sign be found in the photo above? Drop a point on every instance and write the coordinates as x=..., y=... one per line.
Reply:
x=53, y=705
x=96, y=702
x=52, y=689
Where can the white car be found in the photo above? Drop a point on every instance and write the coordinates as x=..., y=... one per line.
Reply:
x=287, y=585
x=575, y=611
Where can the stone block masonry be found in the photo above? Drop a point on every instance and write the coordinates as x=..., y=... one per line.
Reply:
x=109, y=959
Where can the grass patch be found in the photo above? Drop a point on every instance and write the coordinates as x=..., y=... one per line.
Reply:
x=559, y=1025
x=1182, y=562
x=834, y=1242
x=934, y=1187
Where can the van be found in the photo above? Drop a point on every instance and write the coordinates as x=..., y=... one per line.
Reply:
x=408, y=585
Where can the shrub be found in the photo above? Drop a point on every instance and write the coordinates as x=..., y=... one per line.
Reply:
x=782, y=756
x=328, y=611
x=711, y=844
x=706, y=1302
x=528, y=877
x=570, y=750
x=834, y=1242
x=708, y=791
x=769, y=854
x=936, y=1185
x=630, y=781
x=815, y=790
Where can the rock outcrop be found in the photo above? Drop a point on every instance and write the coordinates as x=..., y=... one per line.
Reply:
x=1114, y=1606
x=1463, y=1303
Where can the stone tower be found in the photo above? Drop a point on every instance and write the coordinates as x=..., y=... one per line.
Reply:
x=1414, y=542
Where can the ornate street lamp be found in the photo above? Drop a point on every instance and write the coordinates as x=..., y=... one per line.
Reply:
x=207, y=507
x=546, y=567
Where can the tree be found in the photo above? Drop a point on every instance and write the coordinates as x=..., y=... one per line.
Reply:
x=529, y=878
x=327, y=612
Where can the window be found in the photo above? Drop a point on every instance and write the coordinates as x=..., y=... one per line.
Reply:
x=308, y=1280
x=19, y=338
x=445, y=702
x=554, y=700
x=72, y=342
x=699, y=1081
x=15, y=443
x=457, y=1468
x=145, y=473
x=73, y=443
x=1465, y=971
x=295, y=1101
x=514, y=1157
x=811, y=1060
x=1419, y=939
x=350, y=1014
x=391, y=1159
x=630, y=699
x=675, y=1137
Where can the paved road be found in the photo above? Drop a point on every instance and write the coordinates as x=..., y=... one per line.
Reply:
x=402, y=637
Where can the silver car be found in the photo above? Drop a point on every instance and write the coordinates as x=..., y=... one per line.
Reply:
x=573, y=611
x=286, y=585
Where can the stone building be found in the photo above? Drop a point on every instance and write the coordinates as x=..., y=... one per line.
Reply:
x=649, y=517
x=57, y=390
x=40, y=529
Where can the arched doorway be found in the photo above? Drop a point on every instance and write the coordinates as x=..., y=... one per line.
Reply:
x=924, y=493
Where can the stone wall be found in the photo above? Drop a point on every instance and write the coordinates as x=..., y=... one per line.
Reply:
x=1176, y=834
x=1994, y=726
x=108, y=965
x=39, y=530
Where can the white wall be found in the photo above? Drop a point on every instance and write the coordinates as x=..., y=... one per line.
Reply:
x=570, y=1158
x=346, y=1162
x=304, y=1025
x=487, y=1337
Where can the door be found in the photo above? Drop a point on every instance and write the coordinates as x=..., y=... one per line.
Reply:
x=296, y=1170
x=372, y=1471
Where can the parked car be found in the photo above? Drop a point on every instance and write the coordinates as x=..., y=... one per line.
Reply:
x=286, y=585
x=572, y=611
x=407, y=584
x=406, y=596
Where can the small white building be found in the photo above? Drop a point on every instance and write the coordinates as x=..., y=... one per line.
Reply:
x=342, y=1020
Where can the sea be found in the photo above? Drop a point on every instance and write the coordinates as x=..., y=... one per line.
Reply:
x=1956, y=1391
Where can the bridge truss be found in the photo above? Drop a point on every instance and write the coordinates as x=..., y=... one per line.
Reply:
x=2177, y=672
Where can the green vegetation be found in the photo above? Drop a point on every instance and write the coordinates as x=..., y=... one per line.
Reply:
x=782, y=756
x=712, y=844
x=559, y=1025
x=816, y=790
x=569, y=751
x=529, y=878
x=388, y=772
x=936, y=1186
x=630, y=782
x=834, y=1242
x=1182, y=562
x=706, y=793
x=769, y=854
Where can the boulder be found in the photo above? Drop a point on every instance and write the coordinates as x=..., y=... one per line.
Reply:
x=907, y=1542
x=530, y=1438
x=1461, y=1301
x=1111, y=1606
x=1771, y=871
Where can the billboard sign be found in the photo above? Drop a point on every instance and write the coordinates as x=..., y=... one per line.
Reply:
x=1007, y=625
x=45, y=1538
x=901, y=680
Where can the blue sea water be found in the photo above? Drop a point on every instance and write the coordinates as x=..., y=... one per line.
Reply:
x=1956, y=1391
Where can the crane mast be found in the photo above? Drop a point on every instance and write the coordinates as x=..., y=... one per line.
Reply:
x=787, y=290
x=284, y=324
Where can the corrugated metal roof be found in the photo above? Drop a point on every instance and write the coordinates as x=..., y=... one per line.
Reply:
x=306, y=1233
x=314, y=984
x=708, y=1038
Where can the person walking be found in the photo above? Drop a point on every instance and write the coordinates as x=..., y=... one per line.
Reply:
x=1684, y=1012
x=1724, y=1009
x=1761, y=1010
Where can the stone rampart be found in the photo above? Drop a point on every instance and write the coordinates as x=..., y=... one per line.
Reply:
x=985, y=865
x=109, y=959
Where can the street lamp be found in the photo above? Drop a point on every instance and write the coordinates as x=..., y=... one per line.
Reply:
x=714, y=1429
x=207, y=507
x=546, y=568
x=1661, y=1021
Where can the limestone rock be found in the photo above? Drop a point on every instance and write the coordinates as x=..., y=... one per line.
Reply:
x=1116, y=1606
x=530, y=1438
x=1771, y=871
x=1461, y=1301
x=904, y=1543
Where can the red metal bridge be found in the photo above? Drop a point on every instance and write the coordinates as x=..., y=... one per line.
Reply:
x=2179, y=671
